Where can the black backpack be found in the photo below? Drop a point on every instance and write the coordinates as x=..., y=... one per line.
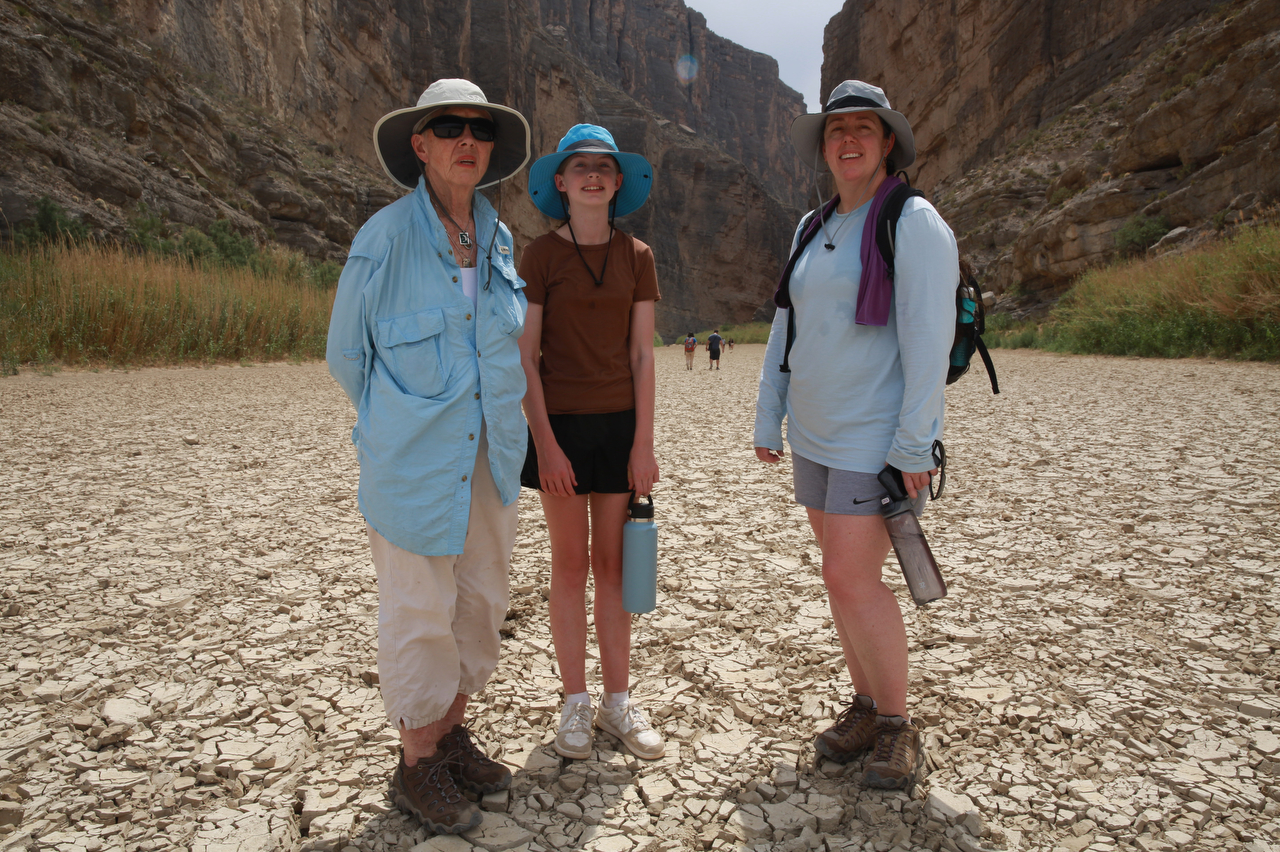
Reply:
x=970, y=311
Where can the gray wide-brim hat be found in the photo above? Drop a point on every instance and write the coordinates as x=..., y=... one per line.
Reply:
x=853, y=96
x=392, y=133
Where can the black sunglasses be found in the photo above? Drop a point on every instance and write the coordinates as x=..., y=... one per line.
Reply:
x=451, y=126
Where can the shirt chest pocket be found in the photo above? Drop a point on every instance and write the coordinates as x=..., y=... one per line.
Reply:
x=415, y=351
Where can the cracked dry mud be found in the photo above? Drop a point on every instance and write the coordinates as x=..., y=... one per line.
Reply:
x=188, y=615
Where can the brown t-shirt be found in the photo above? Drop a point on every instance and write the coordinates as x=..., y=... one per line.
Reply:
x=586, y=330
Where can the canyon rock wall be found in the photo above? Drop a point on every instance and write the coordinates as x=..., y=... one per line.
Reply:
x=728, y=94
x=972, y=77
x=262, y=117
x=1045, y=130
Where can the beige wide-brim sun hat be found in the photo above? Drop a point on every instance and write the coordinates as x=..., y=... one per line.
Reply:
x=852, y=96
x=392, y=133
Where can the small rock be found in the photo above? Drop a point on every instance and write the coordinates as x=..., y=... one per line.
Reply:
x=10, y=813
x=191, y=440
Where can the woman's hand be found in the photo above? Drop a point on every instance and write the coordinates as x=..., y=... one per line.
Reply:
x=642, y=470
x=767, y=455
x=555, y=473
x=917, y=482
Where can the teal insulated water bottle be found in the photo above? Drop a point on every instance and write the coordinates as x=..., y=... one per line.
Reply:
x=640, y=558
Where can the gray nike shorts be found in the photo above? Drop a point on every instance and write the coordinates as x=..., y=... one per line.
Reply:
x=841, y=492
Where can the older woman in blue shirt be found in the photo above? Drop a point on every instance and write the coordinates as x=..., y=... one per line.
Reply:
x=867, y=371
x=423, y=340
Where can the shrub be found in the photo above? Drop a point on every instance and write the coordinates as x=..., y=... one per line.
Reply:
x=50, y=224
x=1140, y=233
x=1222, y=300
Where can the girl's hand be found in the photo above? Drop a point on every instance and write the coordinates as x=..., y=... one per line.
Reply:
x=767, y=455
x=917, y=482
x=555, y=473
x=642, y=470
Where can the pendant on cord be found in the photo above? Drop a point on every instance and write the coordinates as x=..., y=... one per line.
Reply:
x=464, y=239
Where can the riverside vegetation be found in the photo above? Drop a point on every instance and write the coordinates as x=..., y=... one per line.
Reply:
x=1222, y=300
x=163, y=297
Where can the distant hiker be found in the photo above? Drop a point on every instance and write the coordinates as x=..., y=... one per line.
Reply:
x=690, y=347
x=864, y=389
x=429, y=286
x=588, y=355
x=713, y=349
x=728, y=346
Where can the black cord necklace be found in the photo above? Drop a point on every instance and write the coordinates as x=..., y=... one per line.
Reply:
x=464, y=236
x=609, y=245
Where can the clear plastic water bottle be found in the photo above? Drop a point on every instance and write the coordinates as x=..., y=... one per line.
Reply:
x=915, y=558
x=640, y=558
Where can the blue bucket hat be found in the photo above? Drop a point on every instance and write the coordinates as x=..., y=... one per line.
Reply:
x=637, y=174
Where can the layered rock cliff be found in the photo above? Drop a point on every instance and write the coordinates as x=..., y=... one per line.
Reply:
x=262, y=115
x=1045, y=130
x=662, y=54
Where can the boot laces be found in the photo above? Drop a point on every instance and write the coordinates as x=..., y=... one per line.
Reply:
x=887, y=743
x=848, y=718
x=464, y=746
x=433, y=777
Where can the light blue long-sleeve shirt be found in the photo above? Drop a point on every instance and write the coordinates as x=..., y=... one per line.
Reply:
x=858, y=396
x=424, y=368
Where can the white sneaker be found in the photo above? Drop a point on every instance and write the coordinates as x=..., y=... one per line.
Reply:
x=628, y=723
x=574, y=738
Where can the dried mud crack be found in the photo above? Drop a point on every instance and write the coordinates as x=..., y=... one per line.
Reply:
x=188, y=617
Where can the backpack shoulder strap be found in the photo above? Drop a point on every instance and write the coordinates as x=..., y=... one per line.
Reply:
x=807, y=233
x=887, y=224
x=986, y=362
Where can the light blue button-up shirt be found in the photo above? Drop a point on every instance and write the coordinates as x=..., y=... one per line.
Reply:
x=859, y=396
x=424, y=368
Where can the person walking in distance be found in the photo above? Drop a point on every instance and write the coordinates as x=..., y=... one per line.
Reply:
x=714, y=342
x=860, y=393
x=588, y=355
x=424, y=340
x=690, y=347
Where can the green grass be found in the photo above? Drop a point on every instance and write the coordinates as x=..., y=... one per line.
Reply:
x=67, y=303
x=1220, y=301
x=747, y=332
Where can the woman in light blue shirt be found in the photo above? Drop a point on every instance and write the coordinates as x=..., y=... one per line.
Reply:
x=861, y=387
x=424, y=340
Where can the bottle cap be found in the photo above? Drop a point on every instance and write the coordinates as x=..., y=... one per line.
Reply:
x=641, y=511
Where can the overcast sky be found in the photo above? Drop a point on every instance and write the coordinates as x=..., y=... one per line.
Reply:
x=790, y=32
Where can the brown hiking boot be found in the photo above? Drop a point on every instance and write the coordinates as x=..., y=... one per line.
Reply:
x=852, y=734
x=428, y=792
x=896, y=757
x=471, y=767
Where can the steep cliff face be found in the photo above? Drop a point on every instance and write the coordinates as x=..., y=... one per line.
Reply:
x=1160, y=113
x=727, y=93
x=263, y=116
x=973, y=77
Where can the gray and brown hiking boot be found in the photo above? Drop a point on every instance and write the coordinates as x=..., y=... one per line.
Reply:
x=896, y=757
x=471, y=767
x=852, y=734
x=427, y=791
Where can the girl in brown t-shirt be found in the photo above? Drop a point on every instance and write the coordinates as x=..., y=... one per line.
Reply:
x=587, y=351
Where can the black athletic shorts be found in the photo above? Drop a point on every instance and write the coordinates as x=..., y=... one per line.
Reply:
x=598, y=447
x=715, y=353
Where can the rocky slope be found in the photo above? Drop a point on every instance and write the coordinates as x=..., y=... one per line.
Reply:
x=1166, y=113
x=263, y=117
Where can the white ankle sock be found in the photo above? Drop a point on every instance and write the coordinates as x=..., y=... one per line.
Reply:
x=613, y=699
x=578, y=698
